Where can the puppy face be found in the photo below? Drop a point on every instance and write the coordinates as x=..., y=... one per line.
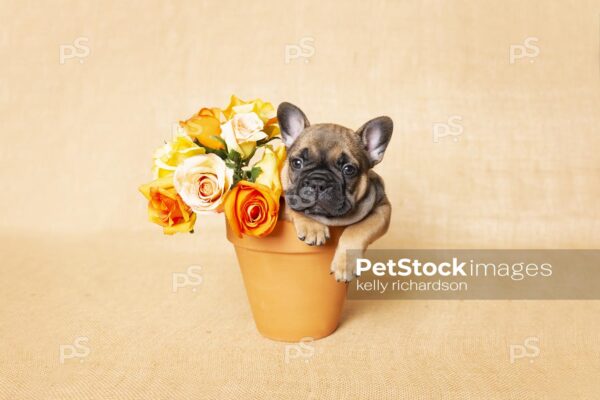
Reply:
x=326, y=174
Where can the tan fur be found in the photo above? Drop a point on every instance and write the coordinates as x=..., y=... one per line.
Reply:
x=361, y=188
x=339, y=139
x=359, y=235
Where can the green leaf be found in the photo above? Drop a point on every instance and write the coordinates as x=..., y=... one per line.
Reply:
x=221, y=153
x=235, y=156
x=254, y=173
x=230, y=164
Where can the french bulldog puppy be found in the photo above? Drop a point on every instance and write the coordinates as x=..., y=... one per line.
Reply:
x=328, y=181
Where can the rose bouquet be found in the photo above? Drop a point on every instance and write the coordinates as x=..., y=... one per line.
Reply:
x=229, y=160
x=220, y=160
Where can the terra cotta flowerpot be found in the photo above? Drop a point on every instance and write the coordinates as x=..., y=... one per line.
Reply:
x=291, y=293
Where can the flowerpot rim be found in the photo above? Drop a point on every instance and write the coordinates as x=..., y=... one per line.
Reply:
x=283, y=239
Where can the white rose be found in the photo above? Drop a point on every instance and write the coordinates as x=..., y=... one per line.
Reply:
x=202, y=182
x=243, y=128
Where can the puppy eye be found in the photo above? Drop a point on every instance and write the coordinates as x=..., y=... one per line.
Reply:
x=349, y=169
x=297, y=163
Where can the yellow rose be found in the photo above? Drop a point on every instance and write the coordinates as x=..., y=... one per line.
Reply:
x=281, y=154
x=166, y=208
x=251, y=209
x=270, y=165
x=202, y=182
x=169, y=156
x=264, y=110
x=204, y=126
x=242, y=132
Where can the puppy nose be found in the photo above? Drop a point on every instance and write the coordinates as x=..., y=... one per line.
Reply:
x=319, y=185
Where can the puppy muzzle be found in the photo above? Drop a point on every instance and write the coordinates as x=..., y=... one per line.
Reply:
x=319, y=193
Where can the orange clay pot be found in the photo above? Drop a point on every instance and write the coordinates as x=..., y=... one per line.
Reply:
x=291, y=293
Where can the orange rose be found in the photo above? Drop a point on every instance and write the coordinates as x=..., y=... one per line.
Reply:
x=251, y=209
x=166, y=208
x=203, y=126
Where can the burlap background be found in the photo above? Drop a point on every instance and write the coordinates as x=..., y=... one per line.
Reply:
x=80, y=260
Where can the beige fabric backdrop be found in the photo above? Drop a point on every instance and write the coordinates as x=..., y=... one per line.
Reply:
x=80, y=260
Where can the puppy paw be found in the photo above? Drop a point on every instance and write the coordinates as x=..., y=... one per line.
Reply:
x=340, y=269
x=311, y=232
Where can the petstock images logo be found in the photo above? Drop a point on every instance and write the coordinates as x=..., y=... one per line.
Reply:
x=475, y=274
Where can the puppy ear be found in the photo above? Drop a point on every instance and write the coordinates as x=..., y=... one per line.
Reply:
x=292, y=122
x=375, y=136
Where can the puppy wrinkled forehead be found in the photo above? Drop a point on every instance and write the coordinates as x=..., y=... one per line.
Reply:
x=328, y=141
